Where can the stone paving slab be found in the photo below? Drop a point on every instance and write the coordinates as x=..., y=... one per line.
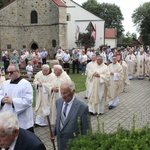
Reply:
x=135, y=100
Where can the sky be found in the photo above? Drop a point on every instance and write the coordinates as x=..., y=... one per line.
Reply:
x=127, y=8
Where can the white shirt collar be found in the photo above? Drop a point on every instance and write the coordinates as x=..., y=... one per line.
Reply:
x=12, y=146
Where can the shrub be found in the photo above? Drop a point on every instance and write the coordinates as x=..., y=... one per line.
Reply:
x=122, y=139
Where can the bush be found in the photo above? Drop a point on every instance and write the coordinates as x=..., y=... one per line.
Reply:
x=122, y=139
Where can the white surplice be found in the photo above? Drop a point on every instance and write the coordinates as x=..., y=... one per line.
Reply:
x=22, y=97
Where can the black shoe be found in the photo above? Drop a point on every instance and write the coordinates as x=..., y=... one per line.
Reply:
x=92, y=113
x=110, y=107
x=85, y=97
x=36, y=125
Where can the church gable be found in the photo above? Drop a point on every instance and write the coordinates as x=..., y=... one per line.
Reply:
x=6, y=3
x=8, y=14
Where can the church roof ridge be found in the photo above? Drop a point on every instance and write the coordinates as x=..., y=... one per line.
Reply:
x=59, y=3
x=5, y=5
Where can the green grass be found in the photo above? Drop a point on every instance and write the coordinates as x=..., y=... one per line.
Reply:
x=79, y=81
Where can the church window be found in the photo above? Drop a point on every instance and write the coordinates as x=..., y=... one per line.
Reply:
x=54, y=43
x=8, y=46
x=68, y=17
x=34, y=17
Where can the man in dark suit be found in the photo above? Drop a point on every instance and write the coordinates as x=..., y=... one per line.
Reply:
x=72, y=116
x=13, y=137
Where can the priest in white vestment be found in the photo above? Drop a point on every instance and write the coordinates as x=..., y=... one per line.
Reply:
x=116, y=79
x=2, y=79
x=16, y=95
x=125, y=74
x=131, y=62
x=60, y=76
x=98, y=79
x=140, y=63
x=43, y=86
x=88, y=69
x=147, y=65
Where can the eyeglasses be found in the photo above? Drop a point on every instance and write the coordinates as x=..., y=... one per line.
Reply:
x=11, y=72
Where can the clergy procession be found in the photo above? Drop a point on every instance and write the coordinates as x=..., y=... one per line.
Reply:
x=108, y=73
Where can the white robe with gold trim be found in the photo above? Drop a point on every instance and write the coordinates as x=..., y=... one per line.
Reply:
x=98, y=88
x=43, y=97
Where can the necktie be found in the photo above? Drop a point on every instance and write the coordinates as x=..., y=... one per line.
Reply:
x=63, y=116
x=65, y=109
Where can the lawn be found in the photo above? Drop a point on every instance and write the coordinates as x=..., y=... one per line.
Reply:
x=79, y=81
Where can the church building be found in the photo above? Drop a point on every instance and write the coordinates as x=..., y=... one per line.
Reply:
x=46, y=24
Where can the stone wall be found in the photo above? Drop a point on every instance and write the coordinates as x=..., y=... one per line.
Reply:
x=16, y=28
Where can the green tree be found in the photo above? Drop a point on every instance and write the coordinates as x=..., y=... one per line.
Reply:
x=86, y=40
x=141, y=17
x=127, y=38
x=134, y=35
x=111, y=13
x=1, y=3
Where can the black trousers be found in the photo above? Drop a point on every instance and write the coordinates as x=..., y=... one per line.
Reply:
x=75, y=65
x=43, y=61
x=66, y=67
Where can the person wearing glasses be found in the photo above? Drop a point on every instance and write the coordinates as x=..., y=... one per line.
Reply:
x=16, y=95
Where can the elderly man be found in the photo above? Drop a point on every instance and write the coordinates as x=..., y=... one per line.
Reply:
x=70, y=110
x=147, y=64
x=60, y=76
x=98, y=84
x=43, y=87
x=66, y=60
x=140, y=63
x=125, y=74
x=14, y=138
x=2, y=78
x=75, y=61
x=44, y=56
x=116, y=81
x=16, y=95
x=88, y=69
x=131, y=61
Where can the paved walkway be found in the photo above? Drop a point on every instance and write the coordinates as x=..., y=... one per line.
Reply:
x=135, y=100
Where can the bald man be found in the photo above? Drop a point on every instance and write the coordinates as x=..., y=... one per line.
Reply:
x=43, y=87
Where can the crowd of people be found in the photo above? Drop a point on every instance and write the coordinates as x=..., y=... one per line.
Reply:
x=107, y=71
x=133, y=57
x=50, y=84
x=25, y=59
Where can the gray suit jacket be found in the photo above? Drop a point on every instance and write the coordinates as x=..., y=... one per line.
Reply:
x=80, y=110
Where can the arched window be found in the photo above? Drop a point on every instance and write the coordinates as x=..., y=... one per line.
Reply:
x=54, y=43
x=68, y=17
x=34, y=17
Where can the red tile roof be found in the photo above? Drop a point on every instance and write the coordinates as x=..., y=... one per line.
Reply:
x=59, y=3
x=110, y=33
